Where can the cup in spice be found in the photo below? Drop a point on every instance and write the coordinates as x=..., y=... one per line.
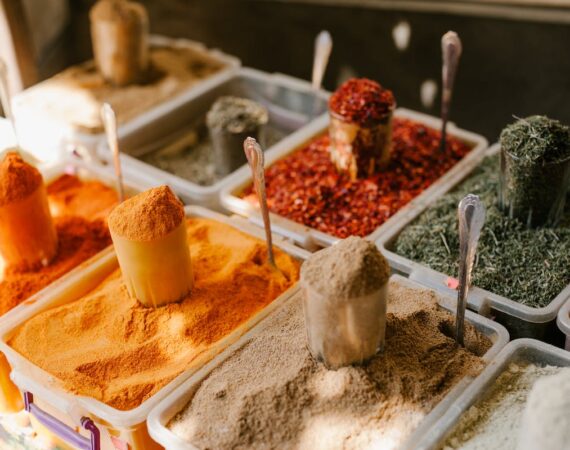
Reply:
x=150, y=238
x=28, y=236
x=535, y=170
x=361, y=127
x=119, y=33
x=230, y=121
x=345, y=297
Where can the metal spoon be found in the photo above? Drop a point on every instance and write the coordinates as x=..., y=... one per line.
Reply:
x=110, y=123
x=256, y=162
x=451, y=49
x=471, y=215
x=323, y=49
x=6, y=99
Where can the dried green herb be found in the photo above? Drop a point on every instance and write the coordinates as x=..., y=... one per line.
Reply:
x=535, y=166
x=530, y=266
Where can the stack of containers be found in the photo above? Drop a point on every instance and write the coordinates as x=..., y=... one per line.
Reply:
x=522, y=321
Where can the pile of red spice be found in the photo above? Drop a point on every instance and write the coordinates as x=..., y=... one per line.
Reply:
x=306, y=187
x=362, y=101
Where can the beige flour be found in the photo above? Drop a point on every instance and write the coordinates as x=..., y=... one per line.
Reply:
x=271, y=394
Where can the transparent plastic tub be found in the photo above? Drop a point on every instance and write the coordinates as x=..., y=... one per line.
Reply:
x=179, y=398
x=527, y=351
x=563, y=321
x=64, y=413
x=10, y=397
x=311, y=238
x=49, y=140
x=290, y=102
x=520, y=320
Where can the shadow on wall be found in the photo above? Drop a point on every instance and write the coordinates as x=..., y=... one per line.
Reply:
x=508, y=67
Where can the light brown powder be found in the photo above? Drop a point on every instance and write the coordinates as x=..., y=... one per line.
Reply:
x=271, y=394
x=147, y=216
x=18, y=179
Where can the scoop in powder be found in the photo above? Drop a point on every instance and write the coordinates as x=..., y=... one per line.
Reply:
x=18, y=179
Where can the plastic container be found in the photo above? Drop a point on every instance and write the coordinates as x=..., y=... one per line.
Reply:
x=10, y=397
x=518, y=351
x=311, y=238
x=64, y=413
x=289, y=101
x=49, y=140
x=520, y=320
x=180, y=397
x=564, y=323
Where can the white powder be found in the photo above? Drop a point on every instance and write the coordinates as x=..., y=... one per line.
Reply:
x=494, y=423
x=546, y=420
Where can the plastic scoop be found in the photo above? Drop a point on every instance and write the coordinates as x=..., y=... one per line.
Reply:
x=471, y=215
x=451, y=49
x=256, y=161
x=6, y=99
x=110, y=123
x=323, y=49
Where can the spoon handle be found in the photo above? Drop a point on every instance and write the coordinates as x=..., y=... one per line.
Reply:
x=451, y=49
x=471, y=215
x=110, y=123
x=256, y=162
x=323, y=49
x=5, y=97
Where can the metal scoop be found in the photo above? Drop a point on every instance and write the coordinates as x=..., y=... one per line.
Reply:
x=471, y=215
x=6, y=99
x=323, y=49
x=451, y=49
x=110, y=123
x=256, y=161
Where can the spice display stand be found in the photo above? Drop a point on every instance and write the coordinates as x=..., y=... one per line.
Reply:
x=56, y=139
x=563, y=321
x=520, y=320
x=10, y=397
x=116, y=427
x=177, y=399
x=527, y=351
x=311, y=238
x=289, y=101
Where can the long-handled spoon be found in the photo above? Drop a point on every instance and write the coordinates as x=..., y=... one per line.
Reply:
x=451, y=49
x=110, y=123
x=6, y=99
x=323, y=49
x=471, y=215
x=256, y=162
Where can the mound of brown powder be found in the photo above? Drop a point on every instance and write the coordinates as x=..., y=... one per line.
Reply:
x=271, y=394
x=147, y=216
x=18, y=179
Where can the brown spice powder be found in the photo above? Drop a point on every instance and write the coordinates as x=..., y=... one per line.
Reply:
x=271, y=394
x=147, y=216
x=110, y=347
x=18, y=179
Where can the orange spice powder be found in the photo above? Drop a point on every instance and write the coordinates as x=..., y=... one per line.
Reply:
x=108, y=346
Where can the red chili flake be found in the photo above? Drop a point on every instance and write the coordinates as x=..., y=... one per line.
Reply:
x=362, y=101
x=306, y=187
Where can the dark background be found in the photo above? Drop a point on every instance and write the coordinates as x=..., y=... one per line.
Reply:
x=509, y=66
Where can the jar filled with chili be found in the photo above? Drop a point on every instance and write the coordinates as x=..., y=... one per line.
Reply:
x=361, y=127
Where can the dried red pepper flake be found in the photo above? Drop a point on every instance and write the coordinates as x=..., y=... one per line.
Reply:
x=362, y=101
x=306, y=187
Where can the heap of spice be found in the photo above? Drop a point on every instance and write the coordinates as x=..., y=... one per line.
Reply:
x=495, y=421
x=529, y=266
x=535, y=170
x=109, y=346
x=272, y=394
x=306, y=187
x=78, y=209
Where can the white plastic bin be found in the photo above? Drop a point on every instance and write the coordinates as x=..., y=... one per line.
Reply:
x=179, y=398
x=291, y=104
x=48, y=139
x=520, y=320
x=526, y=351
x=114, y=428
x=564, y=322
x=311, y=238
